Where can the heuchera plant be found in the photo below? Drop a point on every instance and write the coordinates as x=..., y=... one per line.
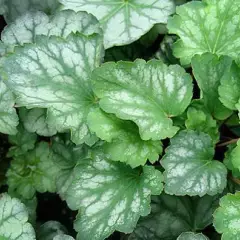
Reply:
x=119, y=119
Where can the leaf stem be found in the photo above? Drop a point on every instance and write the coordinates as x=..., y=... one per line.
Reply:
x=228, y=142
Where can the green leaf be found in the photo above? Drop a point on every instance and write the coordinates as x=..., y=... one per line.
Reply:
x=35, y=121
x=33, y=171
x=208, y=70
x=206, y=26
x=63, y=237
x=14, y=9
x=123, y=141
x=192, y=236
x=54, y=73
x=125, y=21
x=14, y=220
x=198, y=118
x=230, y=87
x=34, y=23
x=111, y=196
x=8, y=115
x=227, y=217
x=23, y=142
x=189, y=168
x=172, y=215
x=147, y=93
x=232, y=156
x=49, y=230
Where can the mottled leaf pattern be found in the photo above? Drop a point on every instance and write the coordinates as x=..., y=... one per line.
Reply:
x=189, y=168
x=111, y=196
x=143, y=92
x=54, y=73
x=124, y=21
x=206, y=26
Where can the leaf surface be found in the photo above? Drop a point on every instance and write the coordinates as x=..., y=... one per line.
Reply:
x=227, y=217
x=125, y=21
x=14, y=220
x=143, y=92
x=123, y=142
x=192, y=236
x=189, y=168
x=110, y=196
x=206, y=26
x=54, y=73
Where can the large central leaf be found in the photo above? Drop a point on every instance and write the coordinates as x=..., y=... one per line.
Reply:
x=207, y=26
x=147, y=93
x=124, y=21
x=54, y=73
x=110, y=196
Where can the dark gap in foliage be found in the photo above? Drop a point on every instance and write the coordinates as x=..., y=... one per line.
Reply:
x=2, y=23
x=51, y=207
x=211, y=233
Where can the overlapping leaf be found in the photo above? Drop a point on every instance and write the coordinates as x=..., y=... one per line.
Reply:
x=144, y=92
x=189, y=168
x=124, y=21
x=206, y=26
x=111, y=196
x=192, y=236
x=54, y=73
x=208, y=70
x=14, y=220
x=227, y=217
x=123, y=140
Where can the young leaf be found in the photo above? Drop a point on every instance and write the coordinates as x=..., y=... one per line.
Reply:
x=206, y=26
x=147, y=93
x=123, y=141
x=33, y=171
x=227, y=217
x=230, y=87
x=23, y=142
x=14, y=9
x=34, y=23
x=234, y=157
x=8, y=115
x=192, y=236
x=189, y=168
x=14, y=220
x=125, y=21
x=111, y=196
x=49, y=230
x=208, y=70
x=54, y=73
x=199, y=118
x=35, y=121
x=172, y=215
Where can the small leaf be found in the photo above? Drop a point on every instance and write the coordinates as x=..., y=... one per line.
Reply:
x=34, y=23
x=189, y=168
x=198, y=118
x=227, y=217
x=172, y=215
x=33, y=171
x=54, y=73
x=14, y=9
x=147, y=93
x=206, y=26
x=208, y=70
x=49, y=230
x=192, y=236
x=234, y=156
x=8, y=115
x=123, y=141
x=111, y=196
x=35, y=121
x=23, y=142
x=14, y=213
x=125, y=21
x=230, y=87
